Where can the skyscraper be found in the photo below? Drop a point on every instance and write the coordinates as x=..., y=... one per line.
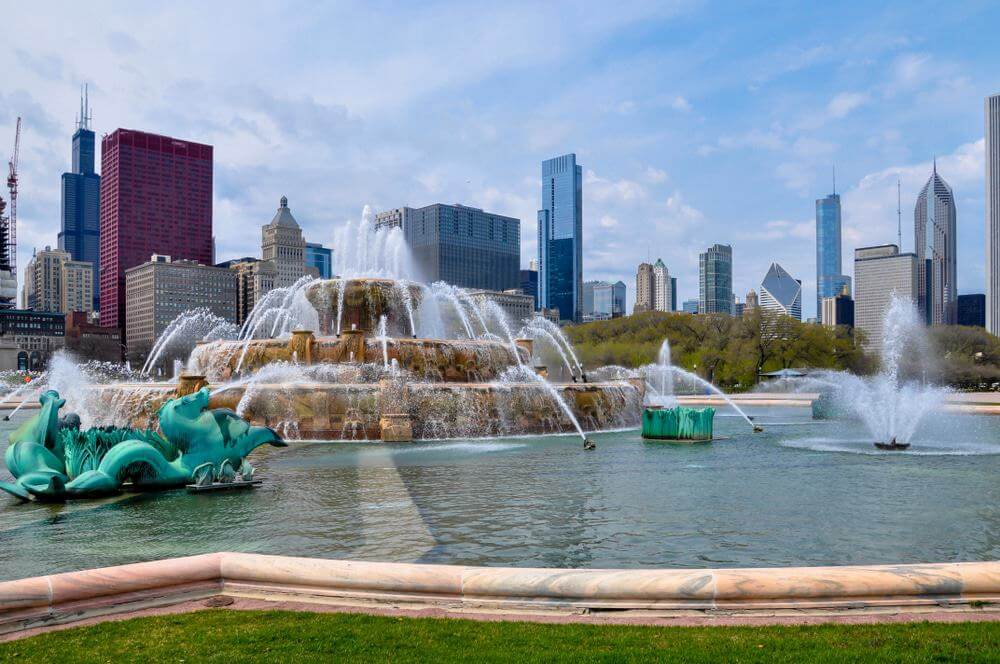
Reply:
x=972, y=310
x=160, y=289
x=993, y=214
x=838, y=310
x=282, y=244
x=529, y=283
x=829, y=280
x=715, y=280
x=80, y=226
x=937, y=265
x=560, y=237
x=664, y=298
x=752, y=302
x=880, y=273
x=609, y=299
x=461, y=245
x=588, y=296
x=781, y=293
x=53, y=281
x=645, y=288
x=156, y=198
x=319, y=257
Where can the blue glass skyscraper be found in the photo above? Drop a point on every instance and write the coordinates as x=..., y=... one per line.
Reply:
x=560, y=238
x=319, y=257
x=80, y=229
x=829, y=280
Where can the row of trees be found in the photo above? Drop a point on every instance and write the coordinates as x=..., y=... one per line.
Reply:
x=728, y=351
x=733, y=352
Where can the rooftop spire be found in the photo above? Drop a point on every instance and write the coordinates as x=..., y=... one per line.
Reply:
x=935, y=164
x=835, y=180
x=84, y=118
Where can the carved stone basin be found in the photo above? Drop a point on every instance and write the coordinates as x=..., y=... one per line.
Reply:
x=364, y=302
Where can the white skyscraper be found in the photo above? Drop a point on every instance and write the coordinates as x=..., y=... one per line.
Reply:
x=993, y=214
x=781, y=293
x=663, y=297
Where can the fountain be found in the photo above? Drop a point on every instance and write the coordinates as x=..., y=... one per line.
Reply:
x=374, y=354
x=660, y=378
x=890, y=406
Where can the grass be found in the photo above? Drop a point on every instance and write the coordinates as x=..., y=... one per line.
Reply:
x=284, y=636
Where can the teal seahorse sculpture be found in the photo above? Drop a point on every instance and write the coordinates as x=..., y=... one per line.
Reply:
x=53, y=460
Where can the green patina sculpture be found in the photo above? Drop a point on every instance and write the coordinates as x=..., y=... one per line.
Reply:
x=678, y=423
x=53, y=459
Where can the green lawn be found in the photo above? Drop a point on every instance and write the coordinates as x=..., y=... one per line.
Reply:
x=282, y=636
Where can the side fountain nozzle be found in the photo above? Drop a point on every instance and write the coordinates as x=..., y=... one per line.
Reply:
x=583, y=376
x=757, y=428
x=588, y=444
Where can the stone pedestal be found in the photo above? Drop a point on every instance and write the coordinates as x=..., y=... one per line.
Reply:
x=301, y=345
x=354, y=345
x=189, y=384
x=396, y=428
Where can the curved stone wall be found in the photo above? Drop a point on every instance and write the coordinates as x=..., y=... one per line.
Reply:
x=61, y=598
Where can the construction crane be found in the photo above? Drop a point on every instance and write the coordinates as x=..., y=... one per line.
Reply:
x=11, y=238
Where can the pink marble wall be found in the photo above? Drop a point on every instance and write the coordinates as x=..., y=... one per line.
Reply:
x=74, y=595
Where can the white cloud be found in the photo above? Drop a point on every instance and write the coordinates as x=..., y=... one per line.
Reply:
x=655, y=175
x=845, y=102
x=680, y=104
x=794, y=176
x=607, y=221
x=600, y=189
x=678, y=211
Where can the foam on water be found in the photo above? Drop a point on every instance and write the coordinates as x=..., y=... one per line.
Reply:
x=919, y=448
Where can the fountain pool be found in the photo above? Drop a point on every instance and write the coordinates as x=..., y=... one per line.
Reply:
x=803, y=492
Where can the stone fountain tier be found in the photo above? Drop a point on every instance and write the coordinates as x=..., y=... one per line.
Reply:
x=364, y=302
x=394, y=411
x=434, y=360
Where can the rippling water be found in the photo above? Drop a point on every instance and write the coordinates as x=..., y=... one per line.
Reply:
x=801, y=493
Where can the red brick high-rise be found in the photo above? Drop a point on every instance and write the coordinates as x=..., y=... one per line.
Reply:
x=156, y=198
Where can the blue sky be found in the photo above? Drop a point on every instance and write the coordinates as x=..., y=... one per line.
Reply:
x=695, y=122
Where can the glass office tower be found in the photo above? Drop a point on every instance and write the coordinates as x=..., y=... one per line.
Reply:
x=715, y=280
x=560, y=238
x=829, y=280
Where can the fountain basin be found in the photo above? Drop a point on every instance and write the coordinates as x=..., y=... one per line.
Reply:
x=437, y=360
x=374, y=411
x=360, y=303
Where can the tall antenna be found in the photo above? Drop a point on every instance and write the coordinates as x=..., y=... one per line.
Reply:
x=899, y=219
x=835, y=180
x=85, y=116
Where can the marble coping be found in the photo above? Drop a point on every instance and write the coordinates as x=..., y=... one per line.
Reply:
x=72, y=595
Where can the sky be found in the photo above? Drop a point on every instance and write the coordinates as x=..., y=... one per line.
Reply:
x=695, y=122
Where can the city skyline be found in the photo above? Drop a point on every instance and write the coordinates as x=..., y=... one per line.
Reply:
x=654, y=151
